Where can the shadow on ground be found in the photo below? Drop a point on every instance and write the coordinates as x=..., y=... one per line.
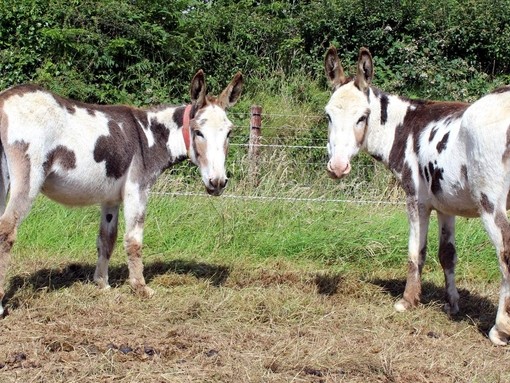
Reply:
x=58, y=278
x=474, y=308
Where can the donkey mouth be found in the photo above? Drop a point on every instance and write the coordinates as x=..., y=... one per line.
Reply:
x=338, y=173
x=215, y=191
x=216, y=186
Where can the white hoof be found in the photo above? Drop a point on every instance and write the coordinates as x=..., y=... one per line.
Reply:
x=401, y=306
x=104, y=287
x=498, y=338
x=102, y=283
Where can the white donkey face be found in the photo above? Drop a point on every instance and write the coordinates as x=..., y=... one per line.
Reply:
x=210, y=131
x=347, y=110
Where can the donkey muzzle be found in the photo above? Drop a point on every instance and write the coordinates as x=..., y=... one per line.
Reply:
x=338, y=169
x=215, y=186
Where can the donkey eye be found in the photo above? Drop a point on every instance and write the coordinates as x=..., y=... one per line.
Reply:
x=362, y=119
x=228, y=134
x=198, y=133
x=329, y=117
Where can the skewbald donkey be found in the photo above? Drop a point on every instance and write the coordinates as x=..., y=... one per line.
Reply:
x=81, y=154
x=450, y=157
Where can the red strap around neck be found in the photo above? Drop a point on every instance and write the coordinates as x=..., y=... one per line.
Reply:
x=185, y=127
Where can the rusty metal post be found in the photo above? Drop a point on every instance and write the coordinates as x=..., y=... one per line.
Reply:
x=253, y=146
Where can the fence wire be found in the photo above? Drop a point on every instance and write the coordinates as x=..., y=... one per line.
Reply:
x=292, y=159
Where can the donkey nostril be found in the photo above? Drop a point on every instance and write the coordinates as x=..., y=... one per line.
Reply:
x=218, y=183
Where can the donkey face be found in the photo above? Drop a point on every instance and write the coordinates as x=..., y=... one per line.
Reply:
x=347, y=111
x=210, y=130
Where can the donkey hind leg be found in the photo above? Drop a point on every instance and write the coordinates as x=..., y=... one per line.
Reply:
x=19, y=204
x=106, y=243
x=418, y=216
x=498, y=228
x=135, y=202
x=448, y=259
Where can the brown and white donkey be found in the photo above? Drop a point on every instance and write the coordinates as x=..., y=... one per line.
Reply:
x=450, y=157
x=83, y=154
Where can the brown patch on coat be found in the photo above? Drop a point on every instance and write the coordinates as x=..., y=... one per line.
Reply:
x=116, y=149
x=20, y=168
x=507, y=306
x=199, y=146
x=61, y=155
x=436, y=178
x=107, y=237
x=487, y=205
x=463, y=172
x=7, y=233
x=501, y=221
x=408, y=181
x=506, y=153
x=502, y=89
x=19, y=90
x=415, y=122
x=412, y=292
x=135, y=265
x=447, y=255
x=178, y=116
x=441, y=145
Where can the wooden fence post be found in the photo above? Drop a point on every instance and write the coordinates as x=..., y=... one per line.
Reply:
x=253, y=146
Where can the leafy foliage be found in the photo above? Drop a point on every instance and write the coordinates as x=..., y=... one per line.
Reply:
x=143, y=51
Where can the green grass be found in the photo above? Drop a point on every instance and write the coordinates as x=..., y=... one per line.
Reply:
x=325, y=235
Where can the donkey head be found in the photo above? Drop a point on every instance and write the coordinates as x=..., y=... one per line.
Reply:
x=348, y=110
x=210, y=130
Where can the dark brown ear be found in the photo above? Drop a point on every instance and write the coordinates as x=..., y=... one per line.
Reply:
x=334, y=70
x=198, y=89
x=365, y=72
x=232, y=92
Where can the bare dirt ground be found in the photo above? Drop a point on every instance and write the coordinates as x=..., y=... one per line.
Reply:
x=238, y=323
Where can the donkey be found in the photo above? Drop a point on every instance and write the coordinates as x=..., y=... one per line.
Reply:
x=444, y=159
x=82, y=154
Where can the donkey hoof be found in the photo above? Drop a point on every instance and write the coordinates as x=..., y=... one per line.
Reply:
x=402, y=305
x=101, y=284
x=497, y=337
x=451, y=309
x=143, y=291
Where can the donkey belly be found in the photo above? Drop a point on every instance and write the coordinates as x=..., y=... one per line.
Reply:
x=455, y=199
x=80, y=190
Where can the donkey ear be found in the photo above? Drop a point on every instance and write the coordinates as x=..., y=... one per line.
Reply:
x=334, y=70
x=198, y=89
x=365, y=72
x=232, y=92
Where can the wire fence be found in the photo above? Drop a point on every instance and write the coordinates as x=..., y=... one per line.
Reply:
x=288, y=166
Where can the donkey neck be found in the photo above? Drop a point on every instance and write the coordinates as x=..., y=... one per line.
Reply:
x=396, y=123
x=164, y=131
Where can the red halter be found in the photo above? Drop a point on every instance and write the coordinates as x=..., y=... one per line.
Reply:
x=185, y=127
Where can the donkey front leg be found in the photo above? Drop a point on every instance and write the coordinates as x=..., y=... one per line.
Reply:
x=135, y=202
x=418, y=216
x=106, y=243
x=448, y=259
